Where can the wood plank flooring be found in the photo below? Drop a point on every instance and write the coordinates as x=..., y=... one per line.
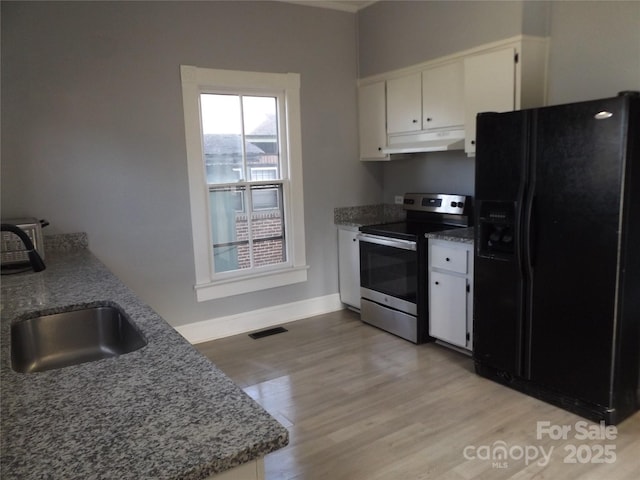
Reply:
x=361, y=404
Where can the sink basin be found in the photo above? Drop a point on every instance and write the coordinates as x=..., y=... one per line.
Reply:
x=78, y=336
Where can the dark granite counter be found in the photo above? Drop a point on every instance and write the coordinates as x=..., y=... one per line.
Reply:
x=162, y=412
x=460, y=235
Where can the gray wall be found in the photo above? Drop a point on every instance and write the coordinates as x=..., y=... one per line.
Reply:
x=396, y=34
x=595, y=50
x=93, y=130
x=437, y=172
x=594, y=53
x=92, y=122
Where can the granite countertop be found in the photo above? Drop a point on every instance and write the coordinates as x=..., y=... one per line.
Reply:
x=460, y=235
x=162, y=412
x=368, y=215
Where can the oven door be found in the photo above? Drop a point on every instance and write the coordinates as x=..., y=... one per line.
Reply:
x=389, y=271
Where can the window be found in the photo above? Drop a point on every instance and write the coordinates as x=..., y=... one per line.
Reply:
x=245, y=179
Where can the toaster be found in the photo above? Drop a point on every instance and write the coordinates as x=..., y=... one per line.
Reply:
x=12, y=248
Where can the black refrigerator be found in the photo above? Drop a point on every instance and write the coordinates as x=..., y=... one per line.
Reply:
x=557, y=254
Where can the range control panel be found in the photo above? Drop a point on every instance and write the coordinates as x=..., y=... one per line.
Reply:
x=437, y=203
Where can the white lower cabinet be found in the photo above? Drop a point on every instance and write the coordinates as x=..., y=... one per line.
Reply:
x=451, y=292
x=349, y=265
x=447, y=312
x=253, y=470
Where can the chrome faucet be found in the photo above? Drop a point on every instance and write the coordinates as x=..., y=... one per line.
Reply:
x=34, y=257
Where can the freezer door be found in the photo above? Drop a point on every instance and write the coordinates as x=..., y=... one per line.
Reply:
x=501, y=176
x=574, y=228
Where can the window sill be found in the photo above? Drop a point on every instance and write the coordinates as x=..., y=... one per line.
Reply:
x=247, y=284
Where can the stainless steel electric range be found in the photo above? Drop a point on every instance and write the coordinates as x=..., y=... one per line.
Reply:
x=393, y=263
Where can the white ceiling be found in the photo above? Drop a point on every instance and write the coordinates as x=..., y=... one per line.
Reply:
x=344, y=5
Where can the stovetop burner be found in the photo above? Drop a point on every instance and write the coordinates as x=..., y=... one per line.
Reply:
x=405, y=230
x=426, y=212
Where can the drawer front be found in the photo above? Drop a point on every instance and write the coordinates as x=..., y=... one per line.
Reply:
x=452, y=259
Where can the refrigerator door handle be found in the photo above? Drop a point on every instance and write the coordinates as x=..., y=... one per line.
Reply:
x=530, y=261
x=530, y=236
x=520, y=226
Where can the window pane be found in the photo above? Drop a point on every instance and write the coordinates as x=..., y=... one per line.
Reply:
x=265, y=197
x=263, y=173
x=261, y=134
x=236, y=244
x=222, y=138
x=229, y=229
x=267, y=225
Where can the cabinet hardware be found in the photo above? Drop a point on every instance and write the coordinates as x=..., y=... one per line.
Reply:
x=437, y=283
x=415, y=121
x=448, y=259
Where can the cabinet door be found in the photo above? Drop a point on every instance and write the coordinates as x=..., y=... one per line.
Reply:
x=489, y=86
x=404, y=104
x=349, y=267
x=443, y=96
x=372, y=121
x=448, y=308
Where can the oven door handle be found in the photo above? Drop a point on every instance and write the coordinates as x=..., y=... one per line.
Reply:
x=387, y=242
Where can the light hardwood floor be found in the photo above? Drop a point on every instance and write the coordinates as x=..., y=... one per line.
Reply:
x=361, y=404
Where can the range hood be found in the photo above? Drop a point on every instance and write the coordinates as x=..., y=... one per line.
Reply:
x=425, y=142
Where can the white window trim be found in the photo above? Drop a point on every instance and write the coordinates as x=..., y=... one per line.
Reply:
x=197, y=80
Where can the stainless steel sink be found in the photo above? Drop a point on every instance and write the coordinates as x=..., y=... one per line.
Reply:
x=54, y=341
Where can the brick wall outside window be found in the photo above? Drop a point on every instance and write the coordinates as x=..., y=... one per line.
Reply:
x=264, y=225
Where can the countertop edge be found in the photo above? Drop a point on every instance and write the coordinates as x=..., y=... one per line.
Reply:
x=459, y=235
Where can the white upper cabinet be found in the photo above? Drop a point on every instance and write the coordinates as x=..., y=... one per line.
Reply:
x=427, y=100
x=443, y=96
x=489, y=85
x=372, y=121
x=404, y=104
x=502, y=79
x=433, y=106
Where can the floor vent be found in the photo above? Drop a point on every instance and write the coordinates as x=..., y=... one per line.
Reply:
x=267, y=332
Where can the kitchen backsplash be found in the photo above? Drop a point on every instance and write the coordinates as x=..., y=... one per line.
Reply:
x=66, y=242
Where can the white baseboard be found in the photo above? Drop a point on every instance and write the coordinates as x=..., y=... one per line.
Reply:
x=257, y=319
